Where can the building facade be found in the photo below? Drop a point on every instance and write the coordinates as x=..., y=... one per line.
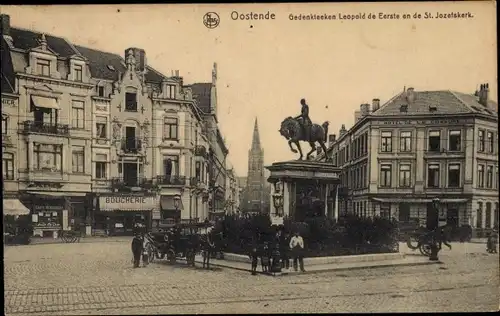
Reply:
x=46, y=98
x=418, y=146
x=104, y=140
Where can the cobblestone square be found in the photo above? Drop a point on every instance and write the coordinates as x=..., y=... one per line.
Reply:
x=98, y=278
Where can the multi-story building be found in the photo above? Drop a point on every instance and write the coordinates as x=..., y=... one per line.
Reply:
x=108, y=139
x=206, y=96
x=46, y=98
x=232, y=190
x=418, y=146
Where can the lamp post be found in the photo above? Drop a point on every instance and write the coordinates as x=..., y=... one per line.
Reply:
x=177, y=201
x=434, y=243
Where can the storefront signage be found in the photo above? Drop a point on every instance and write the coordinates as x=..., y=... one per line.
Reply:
x=429, y=122
x=48, y=207
x=128, y=203
x=8, y=102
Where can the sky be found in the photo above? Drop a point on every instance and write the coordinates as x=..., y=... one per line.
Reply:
x=266, y=66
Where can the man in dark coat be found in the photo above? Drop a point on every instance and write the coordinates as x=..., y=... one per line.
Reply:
x=137, y=249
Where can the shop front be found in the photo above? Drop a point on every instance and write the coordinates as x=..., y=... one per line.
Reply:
x=17, y=224
x=118, y=215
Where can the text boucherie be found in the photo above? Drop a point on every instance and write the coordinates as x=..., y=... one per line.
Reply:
x=126, y=199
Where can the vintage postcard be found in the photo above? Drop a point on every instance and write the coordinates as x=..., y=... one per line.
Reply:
x=250, y=158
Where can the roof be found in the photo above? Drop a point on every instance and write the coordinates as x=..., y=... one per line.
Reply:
x=445, y=102
x=202, y=94
x=100, y=62
x=27, y=39
x=7, y=70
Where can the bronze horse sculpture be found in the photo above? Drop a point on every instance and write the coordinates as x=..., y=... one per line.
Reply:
x=292, y=130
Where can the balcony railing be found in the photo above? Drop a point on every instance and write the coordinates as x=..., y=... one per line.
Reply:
x=170, y=180
x=45, y=128
x=131, y=182
x=131, y=145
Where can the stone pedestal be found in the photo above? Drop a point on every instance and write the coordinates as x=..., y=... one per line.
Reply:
x=308, y=188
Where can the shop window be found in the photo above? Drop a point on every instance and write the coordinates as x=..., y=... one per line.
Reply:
x=434, y=141
x=487, y=220
x=78, y=159
x=170, y=128
x=386, y=142
x=385, y=175
x=405, y=175
x=385, y=211
x=455, y=141
x=454, y=175
x=8, y=166
x=405, y=142
x=489, y=177
x=47, y=157
x=78, y=114
x=479, y=217
x=480, y=176
x=433, y=176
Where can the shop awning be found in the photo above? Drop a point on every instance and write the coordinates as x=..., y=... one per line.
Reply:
x=46, y=103
x=14, y=207
x=167, y=203
x=416, y=201
x=55, y=194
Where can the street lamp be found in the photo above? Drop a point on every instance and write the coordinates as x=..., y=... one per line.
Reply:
x=177, y=201
x=436, y=203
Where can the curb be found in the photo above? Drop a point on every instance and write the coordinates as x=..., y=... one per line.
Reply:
x=409, y=264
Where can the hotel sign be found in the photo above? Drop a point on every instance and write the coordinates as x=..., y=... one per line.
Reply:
x=428, y=122
x=128, y=203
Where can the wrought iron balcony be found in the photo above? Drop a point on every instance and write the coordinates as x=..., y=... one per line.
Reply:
x=45, y=128
x=117, y=183
x=131, y=145
x=170, y=180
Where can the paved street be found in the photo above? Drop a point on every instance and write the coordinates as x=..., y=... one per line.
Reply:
x=97, y=278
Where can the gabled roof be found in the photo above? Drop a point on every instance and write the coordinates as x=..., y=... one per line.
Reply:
x=103, y=65
x=27, y=39
x=202, y=94
x=445, y=102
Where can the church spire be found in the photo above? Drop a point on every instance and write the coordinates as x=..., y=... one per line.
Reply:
x=256, y=138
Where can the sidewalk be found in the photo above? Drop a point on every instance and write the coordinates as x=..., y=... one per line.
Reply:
x=406, y=261
x=87, y=239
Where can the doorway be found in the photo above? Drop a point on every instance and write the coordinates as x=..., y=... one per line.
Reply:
x=432, y=221
x=130, y=138
x=130, y=176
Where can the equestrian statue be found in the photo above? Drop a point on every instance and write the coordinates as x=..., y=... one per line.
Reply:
x=300, y=128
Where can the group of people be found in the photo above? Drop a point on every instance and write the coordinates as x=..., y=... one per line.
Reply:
x=275, y=255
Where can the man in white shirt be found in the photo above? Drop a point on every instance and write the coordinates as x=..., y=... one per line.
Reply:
x=297, y=247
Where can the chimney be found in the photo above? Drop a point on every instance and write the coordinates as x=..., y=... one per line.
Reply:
x=410, y=95
x=483, y=94
x=357, y=116
x=365, y=109
x=140, y=58
x=5, y=24
x=375, y=104
x=177, y=73
x=331, y=139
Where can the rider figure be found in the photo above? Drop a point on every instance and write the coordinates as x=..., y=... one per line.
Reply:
x=306, y=121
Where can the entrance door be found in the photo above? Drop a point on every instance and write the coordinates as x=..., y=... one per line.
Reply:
x=432, y=217
x=130, y=138
x=130, y=174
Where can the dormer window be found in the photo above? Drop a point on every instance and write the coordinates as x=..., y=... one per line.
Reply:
x=171, y=91
x=130, y=102
x=100, y=91
x=43, y=67
x=403, y=108
x=432, y=109
x=78, y=69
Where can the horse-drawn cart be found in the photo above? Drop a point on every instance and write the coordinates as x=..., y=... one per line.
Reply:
x=179, y=241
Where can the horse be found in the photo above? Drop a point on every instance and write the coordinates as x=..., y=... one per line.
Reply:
x=292, y=130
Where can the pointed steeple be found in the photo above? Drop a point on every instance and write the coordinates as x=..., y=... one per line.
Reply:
x=256, y=137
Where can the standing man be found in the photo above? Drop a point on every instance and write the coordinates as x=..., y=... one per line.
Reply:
x=137, y=249
x=306, y=121
x=297, y=247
